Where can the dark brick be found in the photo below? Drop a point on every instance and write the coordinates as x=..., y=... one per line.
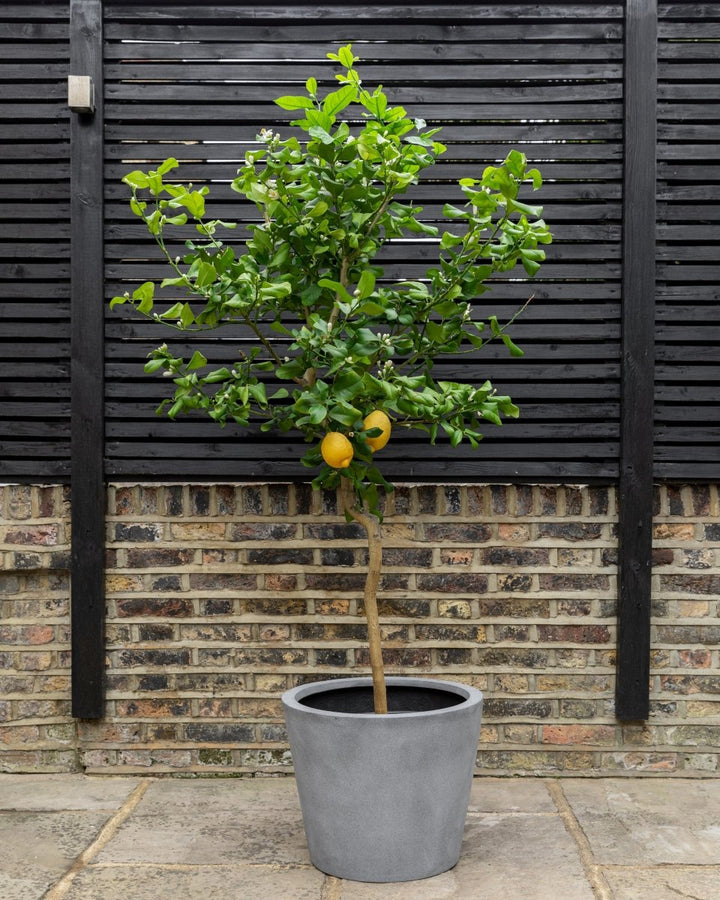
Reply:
x=220, y=733
x=515, y=607
x=173, y=607
x=662, y=557
x=303, y=499
x=215, y=757
x=427, y=499
x=517, y=659
x=199, y=500
x=499, y=498
x=579, y=582
x=516, y=556
x=329, y=502
x=453, y=501
x=570, y=531
x=451, y=531
x=599, y=501
x=515, y=583
x=518, y=633
x=577, y=709
x=675, y=500
x=609, y=556
x=337, y=557
x=574, y=634
x=274, y=606
x=153, y=683
x=577, y=606
x=685, y=635
x=225, y=494
x=279, y=499
x=148, y=559
x=263, y=531
x=407, y=556
x=275, y=556
x=221, y=581
x=712, y=532
x=524, y=499
x=701, y=499
x=129, y=658
x=137, y=533
x=252, y=500
x=174, y=500
x=691, y=584
x=453, y=583
x=449, y=633
x=332, y=657
x=335, y=581
x=156, y=632
x=217, y=607
x=502, y=707
x=167, y=583
x=334, y=532
x=273, y=733
x=401, y=496
x=310, y=631
x=270, y=656
x=573, y=501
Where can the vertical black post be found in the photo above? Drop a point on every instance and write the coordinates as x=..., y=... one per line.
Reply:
x=638, y=328
x=87, y=315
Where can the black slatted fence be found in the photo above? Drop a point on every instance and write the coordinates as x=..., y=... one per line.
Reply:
x=547, y=80
x=34, y=242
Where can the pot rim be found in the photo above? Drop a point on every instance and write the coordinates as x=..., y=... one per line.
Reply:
x=293, y=697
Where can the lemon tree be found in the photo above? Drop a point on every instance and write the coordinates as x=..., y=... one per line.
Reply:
x=331, y=347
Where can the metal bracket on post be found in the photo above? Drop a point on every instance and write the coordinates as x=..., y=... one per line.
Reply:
x=81, y=94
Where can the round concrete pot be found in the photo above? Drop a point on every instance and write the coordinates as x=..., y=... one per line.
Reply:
x=384, y=797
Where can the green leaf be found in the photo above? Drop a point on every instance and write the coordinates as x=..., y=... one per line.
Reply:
x=320, y=134
x=136, y=179
x=345, y=56
x=366, y=284
x=206, y=274
x=336, y=101
x=118, y=301
x=197, y=361
x=292, y=103
x=311, y=86
x=169, y=164
x=513, y=348
x=144, y=294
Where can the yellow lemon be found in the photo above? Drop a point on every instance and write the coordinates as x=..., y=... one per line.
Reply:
x=336, y=449
x=378, y=419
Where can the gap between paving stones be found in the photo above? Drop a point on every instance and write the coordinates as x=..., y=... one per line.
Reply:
x=107, y=832
x=592, y=870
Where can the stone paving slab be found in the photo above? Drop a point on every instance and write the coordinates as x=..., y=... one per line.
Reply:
x=99, y=838
x=37, y=848
x=61, y=792
x=196, y=883
x=642, y=821
x=664, y=883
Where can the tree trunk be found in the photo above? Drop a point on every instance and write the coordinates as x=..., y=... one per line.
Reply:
x=372, y=527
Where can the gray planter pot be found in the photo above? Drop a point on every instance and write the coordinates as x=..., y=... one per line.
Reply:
x=384, y=798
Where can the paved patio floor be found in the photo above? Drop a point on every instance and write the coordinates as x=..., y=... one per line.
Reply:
x=116, y=838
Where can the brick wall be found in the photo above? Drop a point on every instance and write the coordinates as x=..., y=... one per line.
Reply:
x=220, y=597
x=36, y=731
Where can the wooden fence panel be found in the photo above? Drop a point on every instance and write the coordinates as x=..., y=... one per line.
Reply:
x=687, y=412
x=546, y=79
x=34, y=242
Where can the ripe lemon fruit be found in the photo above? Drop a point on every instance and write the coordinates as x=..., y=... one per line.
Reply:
x=378, y=419
x=336, y=450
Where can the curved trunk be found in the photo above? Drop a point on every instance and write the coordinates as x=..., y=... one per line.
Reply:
x=373, y=530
